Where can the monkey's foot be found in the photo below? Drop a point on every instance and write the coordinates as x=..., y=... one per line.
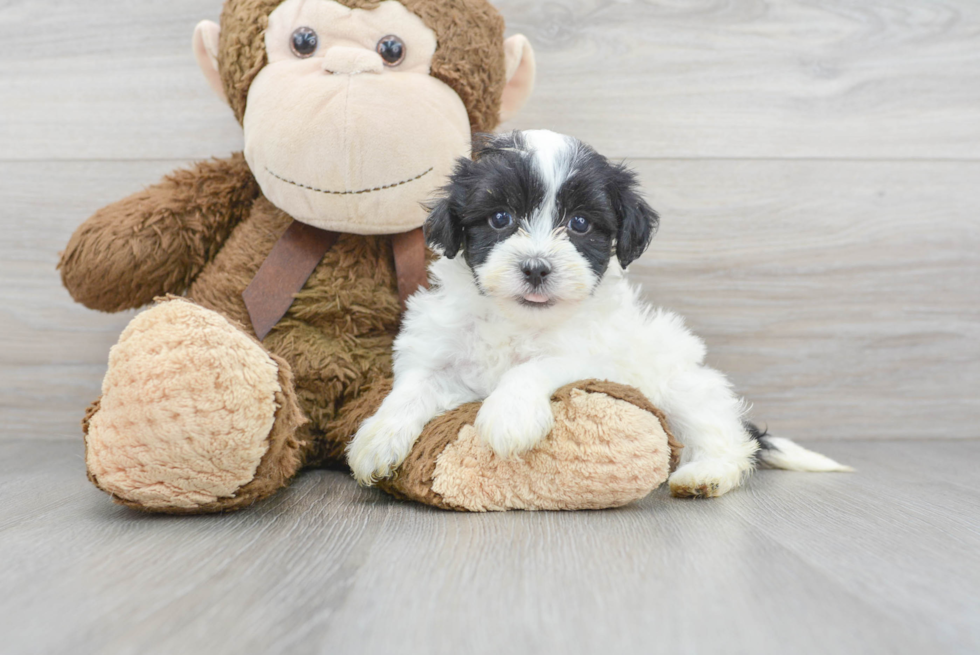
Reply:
x=195, y=416
x=609, y=446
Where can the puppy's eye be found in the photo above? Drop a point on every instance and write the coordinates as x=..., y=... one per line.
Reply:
x=392, y=50
x=303, y=42
x=501, y=221
x=579, y=225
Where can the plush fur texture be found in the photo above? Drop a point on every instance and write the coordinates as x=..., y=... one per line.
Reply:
x=470, y=57
x=539, y=299
x=602, y=452
x=171, y=230
x=337, y=334
x=610, y=446
x=152, y=441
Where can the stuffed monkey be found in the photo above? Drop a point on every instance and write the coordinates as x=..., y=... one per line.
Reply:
x=279, y=273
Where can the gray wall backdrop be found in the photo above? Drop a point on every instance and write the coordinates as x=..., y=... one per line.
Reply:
x=816, y=164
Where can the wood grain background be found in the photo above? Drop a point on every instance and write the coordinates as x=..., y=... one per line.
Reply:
x=816, y=164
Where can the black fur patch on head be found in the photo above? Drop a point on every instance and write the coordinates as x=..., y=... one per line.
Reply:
x=506, y=182
x=606, y=195
x=502, y=177
x=583, y=194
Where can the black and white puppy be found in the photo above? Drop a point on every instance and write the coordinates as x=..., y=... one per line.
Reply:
x=546, y=226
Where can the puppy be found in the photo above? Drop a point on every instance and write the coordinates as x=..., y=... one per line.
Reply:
x=538, y=299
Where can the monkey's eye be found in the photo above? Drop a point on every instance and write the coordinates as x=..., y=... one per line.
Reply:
x=303, y=42
x=579, y=225
x=501, y=221
x=392, y=50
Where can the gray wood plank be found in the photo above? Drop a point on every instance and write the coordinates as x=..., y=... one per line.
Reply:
x=782, y=79
x=842, y=298
x=875, y=562
x=786, y=79
x=917, y=498
x=53, y=352
x=111, y=79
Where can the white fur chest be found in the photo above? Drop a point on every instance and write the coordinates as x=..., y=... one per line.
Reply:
x=453, y=328
x=490, y=348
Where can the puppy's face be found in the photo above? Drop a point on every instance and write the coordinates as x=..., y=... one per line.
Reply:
x=538, y=217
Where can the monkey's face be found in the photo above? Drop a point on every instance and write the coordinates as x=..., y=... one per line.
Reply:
x=345, y=128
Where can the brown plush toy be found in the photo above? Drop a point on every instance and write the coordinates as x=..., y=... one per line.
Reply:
x=354, y=112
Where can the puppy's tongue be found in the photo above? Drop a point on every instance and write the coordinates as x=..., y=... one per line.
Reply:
x=536, y=297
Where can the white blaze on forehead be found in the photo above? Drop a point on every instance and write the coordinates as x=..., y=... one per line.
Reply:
x=553, y=156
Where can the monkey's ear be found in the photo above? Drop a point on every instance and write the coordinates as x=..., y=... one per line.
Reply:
x=521, y=69
x=638, y=221
x=443, y=229
x=206, y=52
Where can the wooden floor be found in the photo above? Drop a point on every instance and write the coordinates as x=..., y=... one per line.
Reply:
x=886, y=560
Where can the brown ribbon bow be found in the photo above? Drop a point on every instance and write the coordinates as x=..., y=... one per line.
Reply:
x=295, y=256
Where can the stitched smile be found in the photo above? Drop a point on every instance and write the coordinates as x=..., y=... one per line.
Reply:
x=348, y=193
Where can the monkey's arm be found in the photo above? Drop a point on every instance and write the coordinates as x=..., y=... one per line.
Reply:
x=157, y=241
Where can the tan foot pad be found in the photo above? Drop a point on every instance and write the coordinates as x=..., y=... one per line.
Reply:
x=187, y=408
x=609, y=447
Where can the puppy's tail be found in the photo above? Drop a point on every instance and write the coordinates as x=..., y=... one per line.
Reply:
x=780, y=453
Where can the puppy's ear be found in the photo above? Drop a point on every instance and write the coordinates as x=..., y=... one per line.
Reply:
x=638, y=222
x=443, y=229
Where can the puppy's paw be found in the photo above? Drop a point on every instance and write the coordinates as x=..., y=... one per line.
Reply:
x=706, y=478
x=511, y=424
x=379, y=448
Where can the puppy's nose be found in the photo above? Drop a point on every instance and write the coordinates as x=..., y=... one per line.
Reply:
x=535, y=271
